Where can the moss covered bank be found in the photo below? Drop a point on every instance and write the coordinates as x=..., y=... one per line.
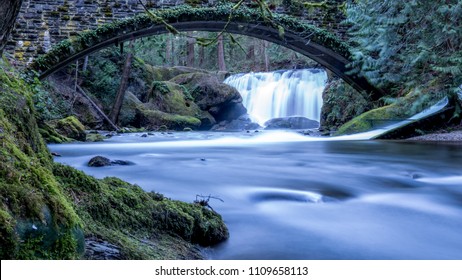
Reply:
x=48, y=210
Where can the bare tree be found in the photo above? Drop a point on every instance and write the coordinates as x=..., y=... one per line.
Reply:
x=190, y=50
x=250, y=56
x=221, y=54
x=9, y=10
x=114, y=115
x=201, y=56
x=265, y=55
x=168, y=50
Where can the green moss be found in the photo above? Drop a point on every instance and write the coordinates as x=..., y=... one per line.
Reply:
x=8, y=238
x=195, y=3
x=63, y=8
x=153, y=119
x=160, y=87
x=55, y=13
x=35, y=215
x=124, y=214
x=50, y=135
x=365, y=121
x=341, y=103
x=186, y=13
x=44, y=206
x=172, y=98
x=92, y=137
x=400, y=109
x=71, y=127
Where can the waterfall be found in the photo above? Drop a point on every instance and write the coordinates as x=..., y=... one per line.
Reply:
x=281, y=93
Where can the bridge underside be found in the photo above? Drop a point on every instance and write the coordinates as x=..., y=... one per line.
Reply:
x=297, y=41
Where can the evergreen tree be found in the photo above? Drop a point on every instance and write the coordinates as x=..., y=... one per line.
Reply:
x=404, y=45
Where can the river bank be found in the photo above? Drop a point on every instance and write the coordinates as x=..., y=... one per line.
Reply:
x=440, y=136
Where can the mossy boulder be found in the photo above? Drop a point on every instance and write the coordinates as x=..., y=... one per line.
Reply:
x=119, y=212
x=94, y=137
x=37, y=221
x=154, y=119
x=401, y=108
x=172, y=98
x=50, y=135
x=365, y=121
x=191, y=221
x=71, y=127
x=341, y=103
x=159, y=73
x=167, y=105
x=222, y=101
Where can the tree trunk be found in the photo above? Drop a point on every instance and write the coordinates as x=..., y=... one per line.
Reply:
x=172, y=45
x=190, y=50
x=97, y=108
x=114, y=115
x=251, y=56
x=168, y=51
x=9, y=10
x=85, y=64
x=265, y=54
x=221, y=54
x=201, y=56
x=76, y=78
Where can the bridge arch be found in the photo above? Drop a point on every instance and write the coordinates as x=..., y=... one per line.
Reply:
x=313, y=42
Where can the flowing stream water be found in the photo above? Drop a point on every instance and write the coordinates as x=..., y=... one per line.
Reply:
x=289, y=196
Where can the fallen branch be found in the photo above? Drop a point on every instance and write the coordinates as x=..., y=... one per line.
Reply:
x=97, y=108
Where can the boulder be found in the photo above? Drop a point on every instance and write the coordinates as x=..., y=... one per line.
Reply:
x=158, y=120
x=222, y=101
x=97, y=249
x=242, y=123
x=100, y=161
x=291, y=123
x=160, y=73
x=92, y=137
x=341, y=103
x=71, y=127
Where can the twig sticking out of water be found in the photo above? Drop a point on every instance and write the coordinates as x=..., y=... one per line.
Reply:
x=203, y=200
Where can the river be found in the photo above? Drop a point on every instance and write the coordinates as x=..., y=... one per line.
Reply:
x=288, y=196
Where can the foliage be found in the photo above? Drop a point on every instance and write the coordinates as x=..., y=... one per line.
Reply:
x=123, y=214
x=401, y=45
x=36, y=219
x=103, y=77
x=45, y=207
x=341, y=103
x=47, y=106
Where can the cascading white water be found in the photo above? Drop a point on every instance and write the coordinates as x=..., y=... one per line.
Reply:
x=281, y=93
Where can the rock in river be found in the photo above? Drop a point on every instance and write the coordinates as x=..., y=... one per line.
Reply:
x=100, y=161
x=291, y=123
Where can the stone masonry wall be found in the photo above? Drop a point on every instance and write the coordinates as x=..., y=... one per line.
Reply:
x=43, y=23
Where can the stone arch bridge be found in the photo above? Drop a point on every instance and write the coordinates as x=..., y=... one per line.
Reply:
x=325, y=47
